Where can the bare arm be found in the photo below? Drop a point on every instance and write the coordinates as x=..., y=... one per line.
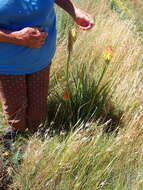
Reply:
x=29, y=36
x=68, y=6
x=81, y=17
x=6, y=36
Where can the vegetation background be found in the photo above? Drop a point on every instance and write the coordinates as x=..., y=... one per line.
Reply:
x=93, y=139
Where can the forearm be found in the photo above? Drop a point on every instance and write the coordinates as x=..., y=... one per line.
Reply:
x=68, y=6
x=6, y=36
x=31, y=37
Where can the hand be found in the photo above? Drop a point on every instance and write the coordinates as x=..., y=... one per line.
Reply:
x=83, y=19
x=30, y=36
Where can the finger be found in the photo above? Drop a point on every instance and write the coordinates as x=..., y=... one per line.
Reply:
x=89, y=21
x=87, y=27
x=41, y=41
x=35, y=31
x=36, y=38
x=39, y=33
x=92, y=22
x=39, y=36
x=44, y=34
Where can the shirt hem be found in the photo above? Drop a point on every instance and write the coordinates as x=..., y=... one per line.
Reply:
x=28, y=72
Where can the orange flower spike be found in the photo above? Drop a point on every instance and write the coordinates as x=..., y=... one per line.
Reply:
x=110, y=49
x=66, y=95
x=108, y=53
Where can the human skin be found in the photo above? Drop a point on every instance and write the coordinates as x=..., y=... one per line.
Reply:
x=33, y=37
x=82, y=18
x=28, y=36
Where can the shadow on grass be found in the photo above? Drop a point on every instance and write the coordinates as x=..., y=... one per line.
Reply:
x=61, y=119
x=88, y=100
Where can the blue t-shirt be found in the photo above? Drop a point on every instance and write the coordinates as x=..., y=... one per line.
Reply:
x=17, y=14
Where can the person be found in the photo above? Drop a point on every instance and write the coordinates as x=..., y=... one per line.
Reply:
x=27, y=46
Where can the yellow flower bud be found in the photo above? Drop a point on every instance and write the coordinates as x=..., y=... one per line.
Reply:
x=73, y=34
x=71, y=39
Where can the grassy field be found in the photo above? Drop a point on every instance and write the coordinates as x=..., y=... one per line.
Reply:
x=93, y=139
